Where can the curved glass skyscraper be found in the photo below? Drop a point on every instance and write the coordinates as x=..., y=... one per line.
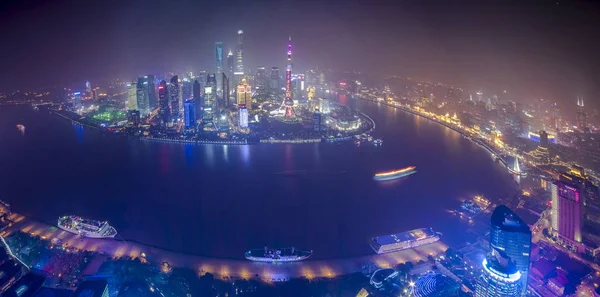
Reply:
x=511, y=235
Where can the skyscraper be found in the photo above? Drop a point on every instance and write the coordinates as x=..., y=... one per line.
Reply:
x=77, y=100
x=261, y=81
x=189, y=113
x=230, y=66
x=88, y=87
x=316, y=120
x=500, y=277
x=274, y=79
x=142, y=96
x=239, y=55
x=243, y=116
x=186, y=89
x=210, y=97
x=226, y=92
x=244, y=95
x=132, y=96
x=196, y=90
x=581, y=116
x=151, y=92
x=567, y=200
x=163, y=101
x=174, y=97
x=219, y=64
x=288, y=101
x=511, y=235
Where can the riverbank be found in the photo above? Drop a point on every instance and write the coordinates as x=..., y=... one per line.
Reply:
x=226, y=269
x=270, y=140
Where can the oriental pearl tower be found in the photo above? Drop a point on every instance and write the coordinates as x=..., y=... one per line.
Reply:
x=288, y=101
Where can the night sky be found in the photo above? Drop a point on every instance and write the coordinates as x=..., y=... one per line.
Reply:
x=531, y=48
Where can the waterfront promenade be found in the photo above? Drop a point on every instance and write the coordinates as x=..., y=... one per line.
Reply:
x=221, y=268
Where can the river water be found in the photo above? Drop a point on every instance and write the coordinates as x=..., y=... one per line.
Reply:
x=215, y=200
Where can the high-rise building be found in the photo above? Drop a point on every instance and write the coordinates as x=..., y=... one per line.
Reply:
x=132, y=96
x=226, y=92
x=243, y=116
x=151, y=92
x=202, y=80
x=316, y=120
x=239, y=54
x=261, y=80
x=142, y=96
x=88, y=87
x=174, y=97
x=186, y=89
x=210, y=98
x=230, y=66
x=511, y=235
x=581, y=116
x=77, y=100
x=163, y=102
x=196, y=90
x=133, y=117
x=219, y=65
x=288, y=101
x=244, y=94
x=189, y=113
x=567, y=201
x=500, y=277
x=274, y=79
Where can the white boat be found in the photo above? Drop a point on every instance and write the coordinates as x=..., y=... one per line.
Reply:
x=86, y=227
x=401, y=241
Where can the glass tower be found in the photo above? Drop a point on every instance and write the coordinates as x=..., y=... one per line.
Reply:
x=500, y=277
x=511, y=235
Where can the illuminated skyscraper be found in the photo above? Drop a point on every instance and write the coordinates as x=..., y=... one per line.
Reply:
x=581, y=116
x=243, y=116
x=239, y=55
x=316, y=120
x=511, y=235
x=288, y=101
x=500, y=277
x=230, y=67
x=189, y=113
x=261, y=78
x=142, y=96
x=274, y=79
x=151, y=92
x=226, y=92
x=567, y=201
x=174, y=97
x=219, y=65
x=210, y=97
x=163, y=102
x=88, y=87
x=77, y=100
x=186, y=89
x=244, y=94
x=132, y=96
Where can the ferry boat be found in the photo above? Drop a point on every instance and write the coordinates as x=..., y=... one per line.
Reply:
x=406, y=240
x=390, y=175
x=277, y=255
x=86, y=227
x=21, y=128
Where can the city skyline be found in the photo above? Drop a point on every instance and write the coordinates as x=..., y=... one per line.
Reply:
x=431, y=50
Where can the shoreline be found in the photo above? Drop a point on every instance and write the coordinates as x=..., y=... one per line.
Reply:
x=350, y=136
x=224, y=268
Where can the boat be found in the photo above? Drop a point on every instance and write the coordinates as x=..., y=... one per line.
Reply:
x=277, y=255
x=377, y=141
x=21, y=128
x=390, y=175
x=86, y=227
x=406, y=240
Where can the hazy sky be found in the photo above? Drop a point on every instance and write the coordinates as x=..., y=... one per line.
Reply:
x=533, y=48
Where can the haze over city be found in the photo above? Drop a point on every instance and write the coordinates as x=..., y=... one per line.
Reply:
x=408, y=148
x=535, y=49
